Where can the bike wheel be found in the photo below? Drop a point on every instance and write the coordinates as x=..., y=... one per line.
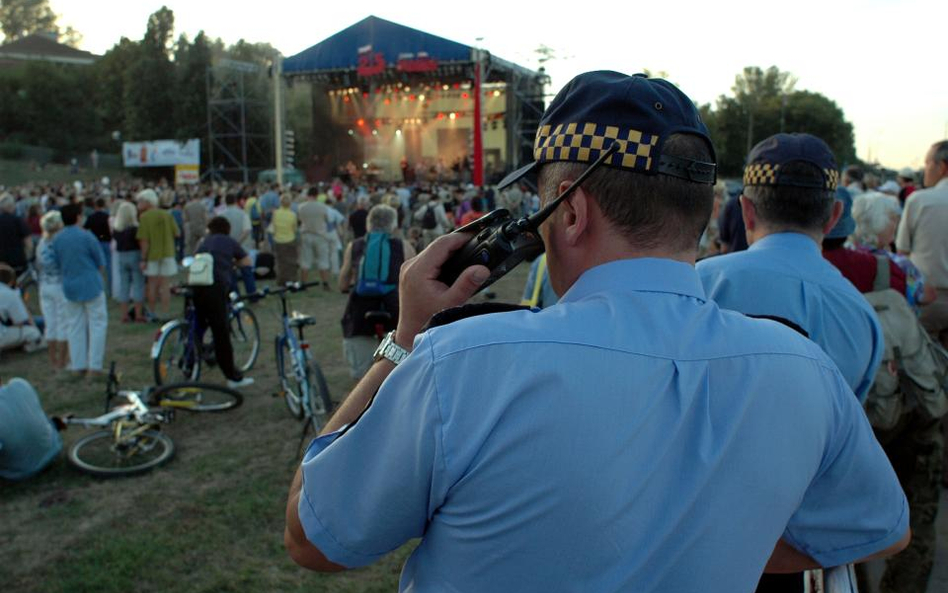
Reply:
x=173, y=355
x=320, y=404
x=31, y=297
x=195, y=397
x=292, y=390
x=245, y=338
x=100, y=454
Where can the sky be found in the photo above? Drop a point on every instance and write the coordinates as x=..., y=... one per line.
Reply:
x=878, y=59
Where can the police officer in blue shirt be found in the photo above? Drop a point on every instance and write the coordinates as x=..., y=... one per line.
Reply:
x=788, y=205
x=636, y=450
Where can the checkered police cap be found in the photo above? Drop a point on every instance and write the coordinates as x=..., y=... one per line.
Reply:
x=765, y=161
x=596, y=109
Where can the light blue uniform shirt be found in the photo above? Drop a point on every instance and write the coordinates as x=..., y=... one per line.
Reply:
x=785, y=275
x=28, y=440
x=651, y=443
x=79, y=256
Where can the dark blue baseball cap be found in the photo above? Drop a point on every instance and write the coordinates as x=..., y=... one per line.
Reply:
x=766, y=161
x=596, y=109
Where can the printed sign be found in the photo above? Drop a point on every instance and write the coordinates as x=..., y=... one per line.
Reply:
x=161, y=153
x=187, y=174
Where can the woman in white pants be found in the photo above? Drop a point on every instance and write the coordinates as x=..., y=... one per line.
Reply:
x=52, y=300
x=81, y=261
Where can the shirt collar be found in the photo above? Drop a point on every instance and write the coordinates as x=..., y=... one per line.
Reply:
x=793, y=241
x=942, y=183
x=644, y=274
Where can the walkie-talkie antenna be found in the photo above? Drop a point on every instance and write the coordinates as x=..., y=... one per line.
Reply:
x=534, y=221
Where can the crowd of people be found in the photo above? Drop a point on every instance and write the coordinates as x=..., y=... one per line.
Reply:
x=728, y=349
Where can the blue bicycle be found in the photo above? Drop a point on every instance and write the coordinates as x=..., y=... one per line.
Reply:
x=302, y=383
x=183, y=346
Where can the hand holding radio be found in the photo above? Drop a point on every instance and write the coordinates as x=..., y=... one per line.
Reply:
x=500, y=242
x=421, y=294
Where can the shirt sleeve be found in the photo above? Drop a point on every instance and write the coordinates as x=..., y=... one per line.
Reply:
x=903, y=237
x=855, y=506
x=368, y=491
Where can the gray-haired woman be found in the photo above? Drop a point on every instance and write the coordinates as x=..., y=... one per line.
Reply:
x=369, y=271
x=52, y=300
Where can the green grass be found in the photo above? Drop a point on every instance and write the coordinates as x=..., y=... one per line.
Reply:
x=17, y=172
x=211, y=520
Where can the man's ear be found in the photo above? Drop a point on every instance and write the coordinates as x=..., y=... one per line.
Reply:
x=749, y=213
x=834, y=217
x=575, y=213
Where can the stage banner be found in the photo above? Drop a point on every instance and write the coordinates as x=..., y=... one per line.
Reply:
x=161, y=153
x=187, y=174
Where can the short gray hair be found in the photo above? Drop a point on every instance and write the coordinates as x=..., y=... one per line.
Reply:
x=382, y=218
x=7, y=203
x=941, y=151
x=147, y=196
x=873, y=212
x=51, y=223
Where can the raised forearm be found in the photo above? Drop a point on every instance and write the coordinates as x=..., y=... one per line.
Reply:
x=360, y=396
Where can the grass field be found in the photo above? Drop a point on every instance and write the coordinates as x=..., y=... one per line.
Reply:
x=212, y=518
x=18, y=172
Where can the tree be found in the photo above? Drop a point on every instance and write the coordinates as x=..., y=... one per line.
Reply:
x=19, y=18
x=764, y=103
x=191, y=62
x=149, y=83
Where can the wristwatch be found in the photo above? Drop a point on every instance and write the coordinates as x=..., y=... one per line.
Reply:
x=390, y=350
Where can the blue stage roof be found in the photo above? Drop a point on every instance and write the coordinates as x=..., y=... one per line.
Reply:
x=391, y=40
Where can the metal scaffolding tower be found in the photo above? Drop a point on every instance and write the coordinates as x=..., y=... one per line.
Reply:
x=238, y=121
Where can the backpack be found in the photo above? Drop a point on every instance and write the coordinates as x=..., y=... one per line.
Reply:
x=264, y=266
x=201, y=270
x=428, y=220
x=255, y=211
x=375, y=269
x=914, y=370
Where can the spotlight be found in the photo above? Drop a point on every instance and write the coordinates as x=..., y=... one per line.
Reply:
x=351, y=132
x=496, y=93
x=398, y=132
x=375, y=132
x=453, y=115
x=421, y=97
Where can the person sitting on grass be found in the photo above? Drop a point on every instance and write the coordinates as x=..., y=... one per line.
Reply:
x=16, y=324
x=211, y=301
x=29, y=441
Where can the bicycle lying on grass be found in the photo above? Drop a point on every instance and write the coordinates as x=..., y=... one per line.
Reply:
x=182, y=346
x=131, y=441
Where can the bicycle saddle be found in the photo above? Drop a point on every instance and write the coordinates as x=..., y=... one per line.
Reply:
x=298, y=320
x=378, y=316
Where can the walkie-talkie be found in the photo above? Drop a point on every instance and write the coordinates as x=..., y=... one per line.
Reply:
x=501, y=243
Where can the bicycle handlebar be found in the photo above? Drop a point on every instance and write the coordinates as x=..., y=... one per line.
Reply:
x=290, y=287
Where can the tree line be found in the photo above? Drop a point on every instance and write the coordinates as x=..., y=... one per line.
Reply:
x=146, y=89
x=156, y=88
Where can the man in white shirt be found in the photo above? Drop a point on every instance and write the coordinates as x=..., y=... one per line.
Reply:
x=922, y=236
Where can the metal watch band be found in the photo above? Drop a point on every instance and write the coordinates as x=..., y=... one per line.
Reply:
x=391, y=351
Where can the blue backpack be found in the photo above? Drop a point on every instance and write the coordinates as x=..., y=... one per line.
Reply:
x=375, y=267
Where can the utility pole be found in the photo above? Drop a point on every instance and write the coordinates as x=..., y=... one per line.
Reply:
x=278, y=117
